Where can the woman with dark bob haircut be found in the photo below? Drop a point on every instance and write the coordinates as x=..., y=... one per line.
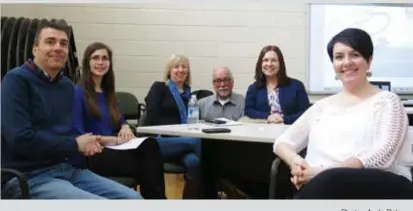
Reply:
x=357, y=140
x=274, y=96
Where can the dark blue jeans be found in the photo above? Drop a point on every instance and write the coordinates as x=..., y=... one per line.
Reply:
x=62, y=181
x=184, y=149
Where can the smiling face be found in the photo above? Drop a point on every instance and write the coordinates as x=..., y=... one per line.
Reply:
x=99, y=62
x=51, y=50
x=349, y=65
x=179, y=72
x=270, y=64
x=223, y=82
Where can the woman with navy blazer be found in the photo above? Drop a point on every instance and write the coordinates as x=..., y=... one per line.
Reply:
x=274, y=96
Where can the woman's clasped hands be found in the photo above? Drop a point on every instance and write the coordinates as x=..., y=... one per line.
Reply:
x=302, y=172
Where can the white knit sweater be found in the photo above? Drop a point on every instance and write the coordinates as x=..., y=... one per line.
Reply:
x=374, y=131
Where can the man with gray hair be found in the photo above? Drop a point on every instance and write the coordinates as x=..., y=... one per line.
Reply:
x=225, y=103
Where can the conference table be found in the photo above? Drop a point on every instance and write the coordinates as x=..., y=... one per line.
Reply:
x=249, y=132
x=244, y=154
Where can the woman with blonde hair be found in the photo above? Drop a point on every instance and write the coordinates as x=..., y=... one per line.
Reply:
x=167, y=104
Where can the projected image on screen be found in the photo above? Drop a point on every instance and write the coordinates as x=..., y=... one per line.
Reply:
x=391, y=29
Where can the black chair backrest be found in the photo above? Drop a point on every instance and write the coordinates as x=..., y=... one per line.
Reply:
x=202, y=93
x=128, y=105
x=142, y=123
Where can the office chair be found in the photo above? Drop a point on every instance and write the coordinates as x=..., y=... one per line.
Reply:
x=129, y=106
x=202, y=93
x=275, y=175
x=7, y=174
x=169, y=167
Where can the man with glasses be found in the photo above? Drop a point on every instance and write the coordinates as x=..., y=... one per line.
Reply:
x=225, y=103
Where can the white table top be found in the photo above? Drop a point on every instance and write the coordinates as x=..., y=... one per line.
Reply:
x=264, y=133
x=251, y=132
x=409, y=110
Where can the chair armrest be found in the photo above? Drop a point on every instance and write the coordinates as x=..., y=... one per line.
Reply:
x=142, y=107
x=273, y=177
x=275, y=171
x=21, y=177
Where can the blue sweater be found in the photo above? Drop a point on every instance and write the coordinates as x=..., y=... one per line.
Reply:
x=36, y=119
x=293, y=101
x=85, y=122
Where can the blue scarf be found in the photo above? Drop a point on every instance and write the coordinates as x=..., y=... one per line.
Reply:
x=178, y=99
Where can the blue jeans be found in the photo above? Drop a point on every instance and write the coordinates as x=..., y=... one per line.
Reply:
x=184, y=149
x=63, y=181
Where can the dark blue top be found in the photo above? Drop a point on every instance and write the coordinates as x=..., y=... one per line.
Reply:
x=293, y=101
x=85, y=122
x=36, y=120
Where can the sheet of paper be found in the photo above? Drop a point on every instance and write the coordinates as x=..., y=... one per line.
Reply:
x=132, y=144
x=229, y=122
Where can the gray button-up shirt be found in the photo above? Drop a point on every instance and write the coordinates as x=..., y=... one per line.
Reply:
x=211, y=108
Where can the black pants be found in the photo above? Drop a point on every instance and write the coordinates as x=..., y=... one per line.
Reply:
x=144, y=164
x=349, y=183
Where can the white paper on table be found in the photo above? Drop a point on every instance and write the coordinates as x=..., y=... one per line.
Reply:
x=132, y=144
x=229, y=122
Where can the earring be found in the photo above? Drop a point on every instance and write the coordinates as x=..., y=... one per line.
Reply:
x=368, y=74
x=336, y=77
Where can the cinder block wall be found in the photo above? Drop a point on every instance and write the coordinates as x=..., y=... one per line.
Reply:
x=143, y=36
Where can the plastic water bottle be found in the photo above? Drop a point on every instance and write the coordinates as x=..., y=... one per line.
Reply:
x=193, y=112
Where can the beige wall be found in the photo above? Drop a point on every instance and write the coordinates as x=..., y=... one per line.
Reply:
x=144, y=35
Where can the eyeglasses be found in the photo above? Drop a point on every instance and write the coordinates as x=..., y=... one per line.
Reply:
x=220, y=80
x=98, y=58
